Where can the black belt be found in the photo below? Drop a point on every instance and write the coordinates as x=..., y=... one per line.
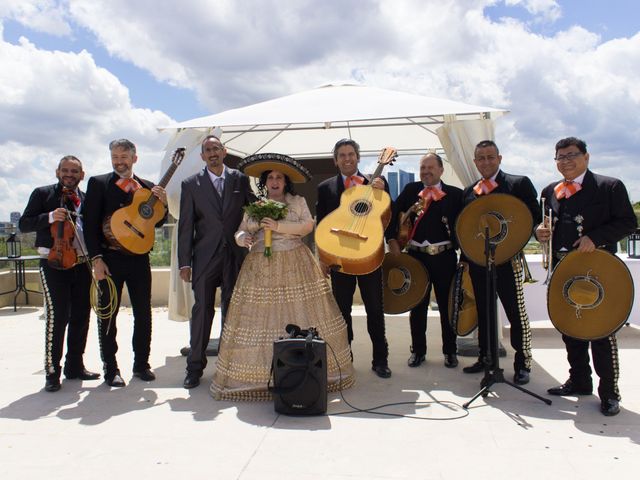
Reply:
x=431, y=249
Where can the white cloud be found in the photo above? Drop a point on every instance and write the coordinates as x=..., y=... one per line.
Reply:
x=233, y=53
x=57, y=103
x=546, y=10
x=46, y=16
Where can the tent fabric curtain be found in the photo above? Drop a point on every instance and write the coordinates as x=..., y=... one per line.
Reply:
x=459, y=138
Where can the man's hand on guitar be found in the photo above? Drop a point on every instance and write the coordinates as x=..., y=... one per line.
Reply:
x=100, y=269
x=185, y=274
x=378, y=183
x=160, y=193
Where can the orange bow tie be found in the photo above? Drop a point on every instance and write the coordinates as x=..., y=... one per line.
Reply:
x=566, y=189
x=432, y=194
x=353, y=180
x=485, y=186
x=128, y=184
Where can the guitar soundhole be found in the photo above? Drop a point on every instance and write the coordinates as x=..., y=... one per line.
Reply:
x=360, y=207
x=145, y=211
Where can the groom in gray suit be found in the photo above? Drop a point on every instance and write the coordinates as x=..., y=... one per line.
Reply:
x=210, y=212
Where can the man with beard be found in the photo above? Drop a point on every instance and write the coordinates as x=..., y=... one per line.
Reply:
x=211, y=210
x=66, y=292
x=106, y=194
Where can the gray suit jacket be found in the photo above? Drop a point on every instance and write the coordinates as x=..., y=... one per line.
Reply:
x=206, y=223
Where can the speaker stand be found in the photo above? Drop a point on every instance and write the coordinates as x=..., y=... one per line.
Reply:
x=492, y=372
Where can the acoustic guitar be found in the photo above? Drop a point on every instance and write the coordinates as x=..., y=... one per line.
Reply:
x=351, y=238
x=131, y=229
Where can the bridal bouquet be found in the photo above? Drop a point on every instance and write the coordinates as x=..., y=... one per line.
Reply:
x=266, y=208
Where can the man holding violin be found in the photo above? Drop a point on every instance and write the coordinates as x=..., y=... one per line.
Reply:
x=54, y=213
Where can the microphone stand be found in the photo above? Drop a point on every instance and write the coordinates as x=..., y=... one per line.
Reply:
x=492, y=372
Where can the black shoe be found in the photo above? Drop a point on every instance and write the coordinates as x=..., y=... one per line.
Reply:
x=415, y=360
x=521, y=377
x=52, y=383
x=475, y=368
x=192, y=380
x=114, y=380
x=610, y=407
x=569, y=388
x=82, y=374
x=145, y=375
x=382, y=371
x=451, y=360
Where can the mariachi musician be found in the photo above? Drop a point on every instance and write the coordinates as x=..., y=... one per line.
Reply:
x=65, y=286
x=106, y=194
x=510, y=275
x=430, y=239
x=346, y=156
x=590, y=211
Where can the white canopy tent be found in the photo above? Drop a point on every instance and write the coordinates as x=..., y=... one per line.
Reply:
x=306, y=125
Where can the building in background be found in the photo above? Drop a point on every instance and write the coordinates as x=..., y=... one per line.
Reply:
x=392, y=179
x=405, y=178
x=14, y=217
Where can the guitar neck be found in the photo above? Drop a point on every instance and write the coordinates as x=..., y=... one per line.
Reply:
x=378, y=171
x=167, y=175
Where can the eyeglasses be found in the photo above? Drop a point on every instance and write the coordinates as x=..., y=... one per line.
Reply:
x=568, y=157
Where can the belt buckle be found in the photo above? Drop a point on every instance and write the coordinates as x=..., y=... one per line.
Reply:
x=433, y=249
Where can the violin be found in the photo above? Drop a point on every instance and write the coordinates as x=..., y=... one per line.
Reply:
x=62, y=255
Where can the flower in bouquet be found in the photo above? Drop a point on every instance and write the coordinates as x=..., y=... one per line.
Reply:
x=265, y=208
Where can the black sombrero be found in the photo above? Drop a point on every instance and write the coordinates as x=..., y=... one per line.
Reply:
x=254, y=165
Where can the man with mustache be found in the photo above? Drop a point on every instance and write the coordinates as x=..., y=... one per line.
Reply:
x=66, y=292
x=432, y=242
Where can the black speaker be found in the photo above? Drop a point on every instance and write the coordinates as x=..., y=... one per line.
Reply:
x=300, y=376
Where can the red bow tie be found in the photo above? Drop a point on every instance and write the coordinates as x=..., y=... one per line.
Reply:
x=485, y=186
x=566, y=189
x=128, y=184
x=71, y=195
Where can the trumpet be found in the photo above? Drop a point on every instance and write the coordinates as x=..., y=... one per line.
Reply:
x=547, y=221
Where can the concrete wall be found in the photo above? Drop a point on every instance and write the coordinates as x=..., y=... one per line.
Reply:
x=159, y=292
x=535, y=294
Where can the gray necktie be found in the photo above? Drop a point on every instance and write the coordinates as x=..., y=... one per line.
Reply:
x=219, y=184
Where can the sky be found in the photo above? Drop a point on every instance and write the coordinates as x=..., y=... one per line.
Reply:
x=76, y=74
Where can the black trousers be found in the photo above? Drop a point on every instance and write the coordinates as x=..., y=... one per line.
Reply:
x=66, y=298
x=605, y=362
x=509, y=287
x=135, y=271
x=343, y=287
x=441, y=269
x=222, y=272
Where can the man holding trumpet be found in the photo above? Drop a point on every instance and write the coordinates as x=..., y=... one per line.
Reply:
x=589, y=211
